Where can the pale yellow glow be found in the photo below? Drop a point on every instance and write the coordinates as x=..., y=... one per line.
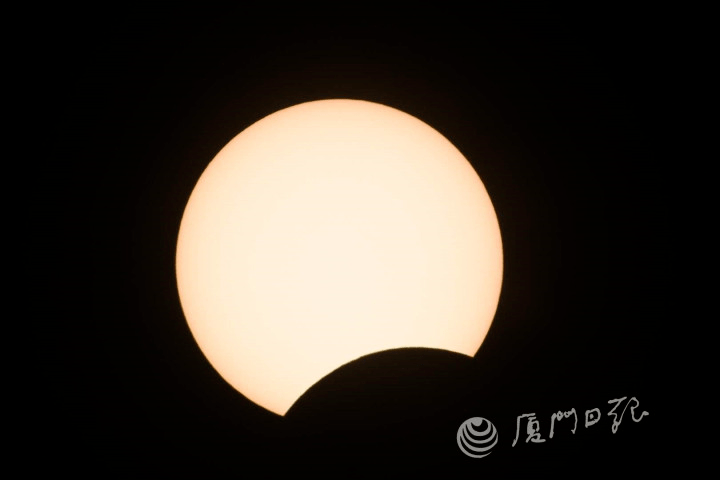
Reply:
x=331, y=230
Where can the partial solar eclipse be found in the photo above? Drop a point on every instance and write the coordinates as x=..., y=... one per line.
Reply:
x=331, y=230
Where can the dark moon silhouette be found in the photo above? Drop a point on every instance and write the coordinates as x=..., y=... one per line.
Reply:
x=375, y=403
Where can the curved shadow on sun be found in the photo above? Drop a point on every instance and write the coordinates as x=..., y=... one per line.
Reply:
x=388, y=386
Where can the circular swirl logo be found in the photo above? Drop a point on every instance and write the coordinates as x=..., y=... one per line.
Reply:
x=476, y=437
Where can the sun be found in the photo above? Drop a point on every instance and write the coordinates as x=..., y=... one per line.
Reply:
x=330, y=230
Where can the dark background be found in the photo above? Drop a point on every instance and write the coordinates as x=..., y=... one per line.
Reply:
x=557, y=112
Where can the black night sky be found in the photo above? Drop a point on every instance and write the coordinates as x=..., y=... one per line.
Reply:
x=556, y=113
